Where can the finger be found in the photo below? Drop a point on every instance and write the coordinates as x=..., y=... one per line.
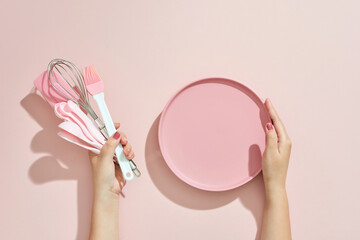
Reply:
x=107, y=151
x=131, y=155
x=127, y=149
x=117, y=125
x=92, y=154
x=93, y=157
x=271, y=139
x=123, y=139
x=279, y=126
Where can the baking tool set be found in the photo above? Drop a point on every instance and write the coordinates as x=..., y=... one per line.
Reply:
x=67, y=89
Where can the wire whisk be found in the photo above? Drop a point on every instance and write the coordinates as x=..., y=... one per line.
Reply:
x=67, y=80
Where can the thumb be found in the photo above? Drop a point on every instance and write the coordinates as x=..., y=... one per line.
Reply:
x=271, y=138
x=107, y=151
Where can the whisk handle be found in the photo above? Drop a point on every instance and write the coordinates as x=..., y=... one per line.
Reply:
x=109, y=124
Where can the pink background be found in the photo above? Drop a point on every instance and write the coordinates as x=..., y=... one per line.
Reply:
x=304, y=55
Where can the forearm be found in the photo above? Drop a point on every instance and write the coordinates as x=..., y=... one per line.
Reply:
x=104, y=219
x=276, y=219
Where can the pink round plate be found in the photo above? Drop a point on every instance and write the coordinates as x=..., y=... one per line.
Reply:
x=212, y=135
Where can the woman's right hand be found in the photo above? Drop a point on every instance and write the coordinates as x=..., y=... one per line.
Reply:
x=276, y=217
x=277, y=152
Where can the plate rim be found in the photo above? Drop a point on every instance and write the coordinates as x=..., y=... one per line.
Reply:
x=178, y=173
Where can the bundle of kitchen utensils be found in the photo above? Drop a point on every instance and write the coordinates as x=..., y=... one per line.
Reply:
x=67, y=90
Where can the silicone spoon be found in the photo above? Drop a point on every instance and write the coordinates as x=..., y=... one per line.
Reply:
x=64, y=112
x=71, y=138
x=76, y=131
x=93, y=130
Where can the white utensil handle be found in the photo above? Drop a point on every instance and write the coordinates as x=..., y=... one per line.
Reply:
x=109, y=124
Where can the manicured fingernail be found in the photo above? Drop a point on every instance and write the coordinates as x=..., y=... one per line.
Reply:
x=127, y=150
x=269, y=126
x=124, y=139
x=116, y=136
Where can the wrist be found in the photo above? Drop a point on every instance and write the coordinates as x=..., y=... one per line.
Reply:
x=106, y=199
x=274, y=190
x=106, y=195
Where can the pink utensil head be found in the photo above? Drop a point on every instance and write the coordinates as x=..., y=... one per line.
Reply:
x=76, y=130
x=93, y=82
x=43, y=85
x=212, y=135
x=71, y=112
x=74, y=139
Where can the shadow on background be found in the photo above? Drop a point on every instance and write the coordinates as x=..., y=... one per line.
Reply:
x=251, y=194
x=63, y=161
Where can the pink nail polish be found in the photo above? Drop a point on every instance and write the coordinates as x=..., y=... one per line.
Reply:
x=124, y=139
x=269, y=126
x=116, y=135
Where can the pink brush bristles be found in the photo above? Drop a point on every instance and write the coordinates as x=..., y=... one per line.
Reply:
x=93, y=82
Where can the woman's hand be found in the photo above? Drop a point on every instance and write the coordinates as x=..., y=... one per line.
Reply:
x=276, y=219
x=277, y=152
x=108, y=183
x=107, y=175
